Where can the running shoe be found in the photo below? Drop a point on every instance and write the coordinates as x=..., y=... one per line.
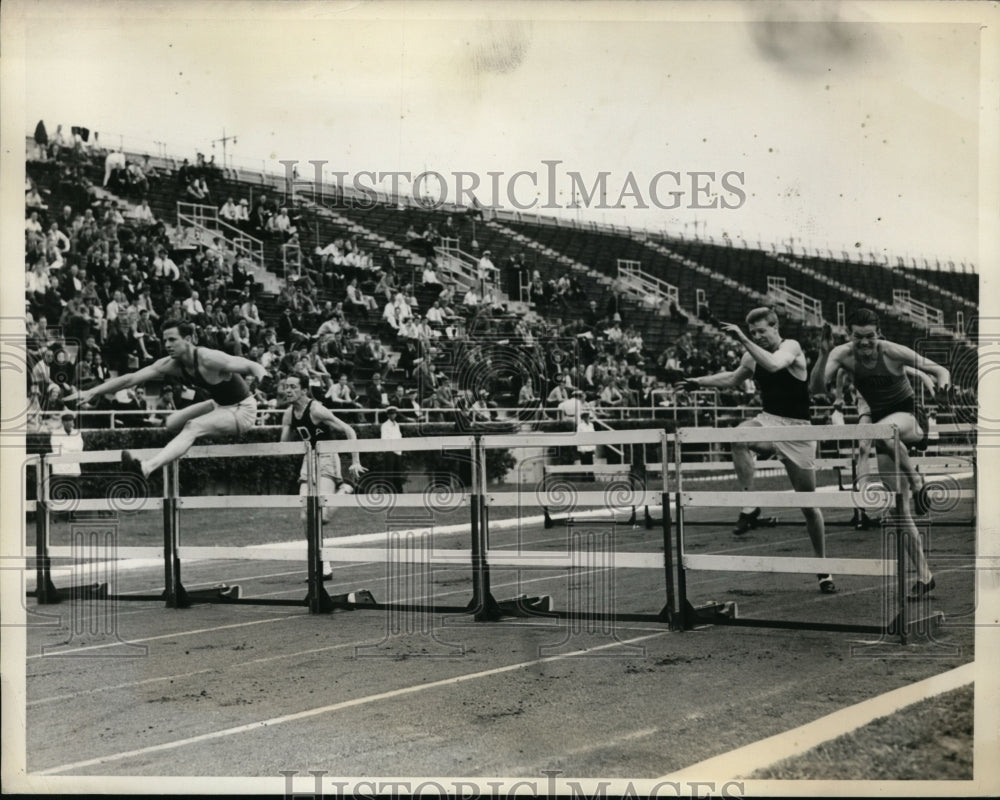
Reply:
x=131, y=464
x=921, y=589
x=826, y=584
x=746, y=522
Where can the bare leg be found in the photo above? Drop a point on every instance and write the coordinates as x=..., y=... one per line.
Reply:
x=911, y=536
x=201, y=419
x=804, y=480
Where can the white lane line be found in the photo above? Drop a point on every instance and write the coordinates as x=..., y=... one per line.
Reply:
x=155, y=638
x=132, y=684
x=314, y=712
x=746, y=760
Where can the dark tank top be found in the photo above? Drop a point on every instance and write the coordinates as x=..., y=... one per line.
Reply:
x=881, y=389
x=308, y=430
x=226, y=393
x=782, y=394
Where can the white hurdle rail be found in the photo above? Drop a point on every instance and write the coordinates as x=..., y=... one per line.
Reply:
x=174, y=594
x=715, y=613
x=484, y=605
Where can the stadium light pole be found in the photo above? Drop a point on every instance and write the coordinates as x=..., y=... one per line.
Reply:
x=224, y=139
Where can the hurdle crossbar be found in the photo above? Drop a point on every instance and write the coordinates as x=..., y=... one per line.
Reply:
x=609, y=499
x=789, y=564
x=796, y=433
x=875, y=499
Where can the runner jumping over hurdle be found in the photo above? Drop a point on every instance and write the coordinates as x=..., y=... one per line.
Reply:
x=779, y=368
x=861, y=521
x=231, y=409
x=878, y=369
x=310, y=421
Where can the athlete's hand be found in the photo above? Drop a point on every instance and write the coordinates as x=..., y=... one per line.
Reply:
x=730, y=329
x=826, y=338
x=81, y=398
x=356, y=470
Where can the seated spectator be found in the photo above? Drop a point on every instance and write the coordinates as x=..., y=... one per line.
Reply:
x=378, y=394
x=341, y=395
x=609, y=395
x=229, y=212
x=238, y=341
x=194, y=310
x=194, y=191
x=357, y=301
x=142, y=214
x=135, y=178
x=132, y=401
x=558, y=394
x=281, y=225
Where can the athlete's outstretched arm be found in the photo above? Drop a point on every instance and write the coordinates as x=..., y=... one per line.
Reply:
x=154, y=371
x=323, y=416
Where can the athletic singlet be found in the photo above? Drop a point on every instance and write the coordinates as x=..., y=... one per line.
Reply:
x=782, y=394
x=226, y=393
x=308, y=430
x=882, y=390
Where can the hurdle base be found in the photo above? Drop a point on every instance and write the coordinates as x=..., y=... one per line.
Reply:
x=711, y=613
x=650, y=522
x=922, y=627
x=217, y=594
x=348, y=601
x=524, y=606
x=53, y=595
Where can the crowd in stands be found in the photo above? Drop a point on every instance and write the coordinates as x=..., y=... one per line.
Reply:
x=102, y=275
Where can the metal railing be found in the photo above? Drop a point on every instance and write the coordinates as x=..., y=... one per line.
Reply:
x=798, y=305
x=206, y=218
x=641, y=283
x=924, y=315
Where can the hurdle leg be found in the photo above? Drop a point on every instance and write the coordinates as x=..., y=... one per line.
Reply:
x=45, y=591
x=318, y=600
x=173, y=591
x=483, y=604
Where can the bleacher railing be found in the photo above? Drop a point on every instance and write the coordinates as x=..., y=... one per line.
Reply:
x=643, y=284
x=798, y=305
x=924, y=315
x=206, y=218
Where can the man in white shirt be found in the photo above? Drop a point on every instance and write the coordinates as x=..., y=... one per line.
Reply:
x=435, y=316
x=471, y=298
x=164, y=268
x=111, y=163
x=392, y=460
x=572, y=407
x=143, y=214
x=193, y=307
x=486, y=271
x=229, y=212
x=66, y=441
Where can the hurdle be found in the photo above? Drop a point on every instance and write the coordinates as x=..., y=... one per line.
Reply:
x=483, y=605
x=174, y=593
x=690, y=616
x=614, y=496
